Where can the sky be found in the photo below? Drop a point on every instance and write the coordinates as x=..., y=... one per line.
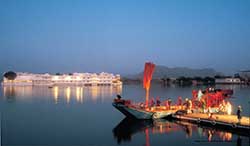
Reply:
x=119, y=36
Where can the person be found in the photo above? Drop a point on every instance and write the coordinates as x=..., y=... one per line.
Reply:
x=194, y=94
x=179, y=103
x=152, y=102
x=169, y=103
x=118, y=97
x=222, y=107
x=158, y=101
x=203, y=105
x=210, y=114
x=200, y=95
x=166, y=104
x=239, y=114
x=190, y=106
x=186, y=103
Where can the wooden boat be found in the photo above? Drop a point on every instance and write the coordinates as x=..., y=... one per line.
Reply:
x=139, y=112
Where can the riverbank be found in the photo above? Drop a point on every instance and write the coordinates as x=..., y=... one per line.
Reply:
x=187, y=81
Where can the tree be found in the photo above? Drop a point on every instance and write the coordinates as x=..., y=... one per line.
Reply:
x=217, y=76
x=184, y=80
x=165, y=80
x=198, y=79
x=208, y=80
x=10, y=75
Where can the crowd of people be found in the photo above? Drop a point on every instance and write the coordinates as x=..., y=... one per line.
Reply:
x=187, y=105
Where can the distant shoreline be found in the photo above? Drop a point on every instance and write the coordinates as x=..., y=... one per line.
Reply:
x=187, y=81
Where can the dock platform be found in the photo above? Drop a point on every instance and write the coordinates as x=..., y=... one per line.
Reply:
x=229, y=122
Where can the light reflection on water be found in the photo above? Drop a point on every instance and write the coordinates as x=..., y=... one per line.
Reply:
x=127, y=128
x=61, y=93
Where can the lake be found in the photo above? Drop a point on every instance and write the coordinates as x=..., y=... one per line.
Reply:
x=71, y=115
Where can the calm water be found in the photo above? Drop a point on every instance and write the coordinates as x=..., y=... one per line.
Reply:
x=84, y=116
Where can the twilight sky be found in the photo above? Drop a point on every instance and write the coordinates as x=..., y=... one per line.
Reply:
x=120, y=35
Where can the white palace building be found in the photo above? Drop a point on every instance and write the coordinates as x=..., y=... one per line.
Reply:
x=88, y=79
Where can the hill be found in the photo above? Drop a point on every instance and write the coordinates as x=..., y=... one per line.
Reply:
x=163, y=72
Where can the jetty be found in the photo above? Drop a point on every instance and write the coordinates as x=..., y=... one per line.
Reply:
x=228, y=122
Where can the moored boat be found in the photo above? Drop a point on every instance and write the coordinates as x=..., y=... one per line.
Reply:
x=142, y=112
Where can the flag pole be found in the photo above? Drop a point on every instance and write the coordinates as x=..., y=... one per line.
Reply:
x=147, y=97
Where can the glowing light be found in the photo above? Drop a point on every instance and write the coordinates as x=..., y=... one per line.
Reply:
x=225, y=136
x=18, y=91
x=229, y=108
x=4, y=91
x=81, y=95
x=68, y=94
x=77, y=94
x=55, y=78
x=67, y=78
x=161, y=129
x=94, y=92
x=228, y=136
x=59, y=94
x=119, y=89
x=56, y=94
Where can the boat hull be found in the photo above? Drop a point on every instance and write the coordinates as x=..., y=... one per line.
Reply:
x=141, y=113
x=162, y=114
x=133, y=112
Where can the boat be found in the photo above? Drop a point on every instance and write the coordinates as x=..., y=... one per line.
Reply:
x=133, y=112
x=140, y=111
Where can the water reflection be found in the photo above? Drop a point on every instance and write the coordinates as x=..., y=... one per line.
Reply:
x=59, y=94
x=127, y=128
x=124, y=131
x=55, y=91
x=68, y=91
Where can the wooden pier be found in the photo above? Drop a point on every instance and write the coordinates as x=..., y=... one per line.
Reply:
x=228, y=122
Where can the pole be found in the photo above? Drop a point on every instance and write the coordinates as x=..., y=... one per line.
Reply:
x=147, y=97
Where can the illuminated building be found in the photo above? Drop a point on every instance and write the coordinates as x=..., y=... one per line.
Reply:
x=91, y=79
x=228, y=81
